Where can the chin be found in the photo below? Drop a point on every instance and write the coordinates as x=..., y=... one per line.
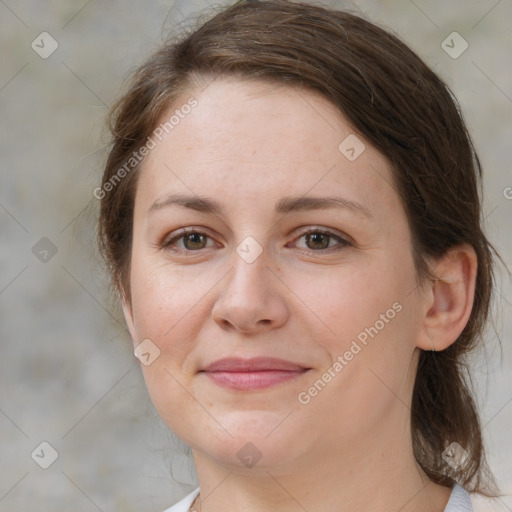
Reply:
x=257, y=440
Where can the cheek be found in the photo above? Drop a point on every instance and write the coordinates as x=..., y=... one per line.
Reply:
x=167, y=309
x=343, y=301
x=169, y=304
x=366, y=314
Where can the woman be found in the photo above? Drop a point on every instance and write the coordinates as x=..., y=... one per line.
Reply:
x=291, y=217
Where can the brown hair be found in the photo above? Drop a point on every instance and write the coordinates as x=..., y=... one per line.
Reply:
x=395, y=102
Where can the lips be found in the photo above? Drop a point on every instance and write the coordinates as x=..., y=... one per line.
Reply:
x=252, y=374
x=256, y=364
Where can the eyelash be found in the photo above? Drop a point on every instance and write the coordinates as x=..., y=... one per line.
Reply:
x=342, y=243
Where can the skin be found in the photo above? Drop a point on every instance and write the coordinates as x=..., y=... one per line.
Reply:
x=247, y=145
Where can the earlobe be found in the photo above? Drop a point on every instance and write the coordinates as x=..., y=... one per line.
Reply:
x=449, y=301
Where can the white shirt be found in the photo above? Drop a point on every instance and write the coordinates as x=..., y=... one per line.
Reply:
x=459, y=501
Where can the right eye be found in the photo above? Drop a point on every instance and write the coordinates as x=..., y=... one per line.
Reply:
x=192, y=241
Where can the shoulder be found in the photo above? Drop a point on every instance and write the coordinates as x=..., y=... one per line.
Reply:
x=485, y=504
x=460, y=501
x=184, y=504
x=463, y=501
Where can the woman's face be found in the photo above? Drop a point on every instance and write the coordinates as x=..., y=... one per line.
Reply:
x=341, y=303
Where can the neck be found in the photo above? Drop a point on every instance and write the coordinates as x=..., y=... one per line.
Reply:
x=372, y=476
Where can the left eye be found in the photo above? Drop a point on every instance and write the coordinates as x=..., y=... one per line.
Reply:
x=319, y=240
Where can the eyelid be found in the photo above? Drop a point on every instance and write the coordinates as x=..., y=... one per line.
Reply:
x=304, y=230
x=181, y=232
x=343, y=240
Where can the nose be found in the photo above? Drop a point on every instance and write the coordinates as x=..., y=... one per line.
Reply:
x=252, y=298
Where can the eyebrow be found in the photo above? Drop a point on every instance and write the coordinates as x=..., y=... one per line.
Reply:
x=285, y=205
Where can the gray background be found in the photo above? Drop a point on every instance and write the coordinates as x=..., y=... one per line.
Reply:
x=67, y=372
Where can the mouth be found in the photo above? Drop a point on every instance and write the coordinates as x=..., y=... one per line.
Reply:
x=252, y=374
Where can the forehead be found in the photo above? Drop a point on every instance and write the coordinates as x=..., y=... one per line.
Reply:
x=244, y=138
x=254, y=114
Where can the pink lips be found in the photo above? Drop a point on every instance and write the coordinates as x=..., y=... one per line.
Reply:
x=251, y=374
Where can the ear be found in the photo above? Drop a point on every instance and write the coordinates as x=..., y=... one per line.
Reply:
x=128, y=314
x=448, y=300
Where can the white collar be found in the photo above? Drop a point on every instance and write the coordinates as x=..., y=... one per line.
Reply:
x=459, y=501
